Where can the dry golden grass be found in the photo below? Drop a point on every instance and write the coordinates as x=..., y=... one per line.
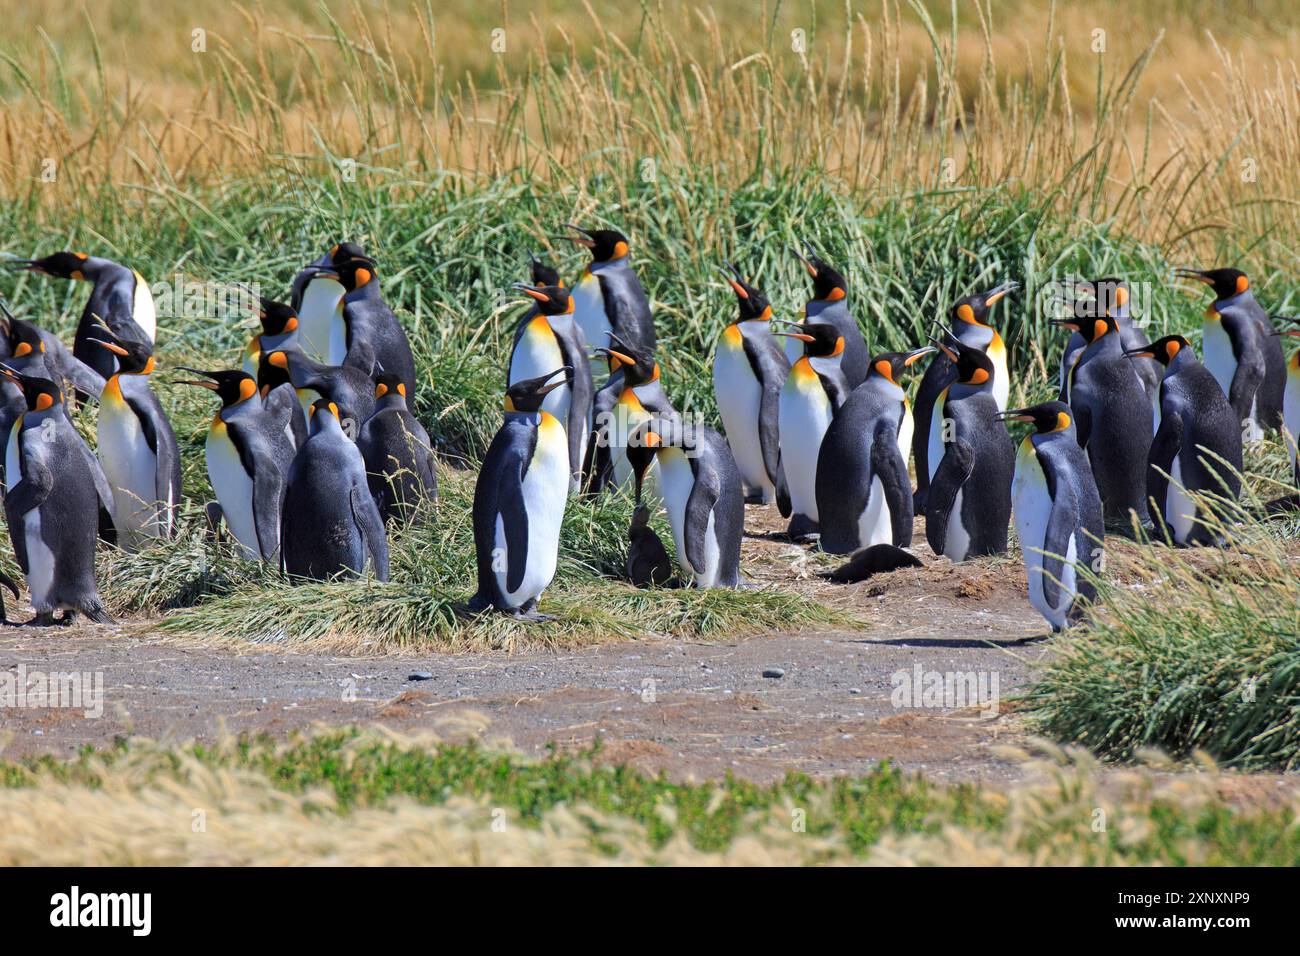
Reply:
x=1189, y=122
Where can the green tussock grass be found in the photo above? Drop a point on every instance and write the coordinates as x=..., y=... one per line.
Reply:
x=362, y=797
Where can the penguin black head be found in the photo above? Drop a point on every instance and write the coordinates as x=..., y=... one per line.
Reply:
x=605, y=244
x=828, y=283
x=890, y=365
x=659, y=432
x=357, y=273
x=62, y=265
x=344, y=251
x=1162, y=350
x=1091, y=327
x=821, y=339
x=639, y=366
x=232, y=387
x=1047, y=418
x=543, y=276
x=321, y=411
x=527, y=395
x=551, y=300
x=974, y=309
x=133, y=358
x=41, y=394
x=24, y=338
x=387, y=385
x=974, y=367
x=753, y=303
x=273, y=371
x=277, y=318
x=1099, y=296
x=1225, y=282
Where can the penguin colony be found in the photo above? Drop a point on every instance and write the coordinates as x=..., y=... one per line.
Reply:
x=313, y=449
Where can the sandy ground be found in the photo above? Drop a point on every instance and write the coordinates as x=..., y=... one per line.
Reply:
x=693, y=709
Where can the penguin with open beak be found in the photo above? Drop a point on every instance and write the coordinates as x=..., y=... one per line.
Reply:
x=864, y=495
x=136, y=445
x=1197, y=446
x=969, y=324
x=1058, y=513
x=52, y=502
x=1241, y=350
x=519, y=501
x=609, y=298
x=829, y=305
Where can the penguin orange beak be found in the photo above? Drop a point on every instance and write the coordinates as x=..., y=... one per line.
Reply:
x=582, y=240
x=801, y=336
x=115, y=349
x=1140, y=353
x=1014, y=415
x=1195, y=275
x=997, y=292
x=917, y=354
x=620, y=357
x=1072, y=324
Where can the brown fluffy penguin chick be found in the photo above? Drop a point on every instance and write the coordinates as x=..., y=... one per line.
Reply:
x=647, y=561
x=877, y=559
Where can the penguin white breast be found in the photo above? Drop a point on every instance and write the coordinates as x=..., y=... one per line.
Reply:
x=143, y=311
x=740, y=397
x=233, y=487
x=805, y=414
x=538, y=353
x=935, y=446
x=40, y=559
x=627, y=417
x=545, y=492
x=1219, y=357
x=130, y=466
x=1291, y=407
x=906, y=428
x=589, y=314
x=1180, y=509
x=1033, y=510
x=321, y=314
x=997, y=353
x=875, y=524
x=677, y=481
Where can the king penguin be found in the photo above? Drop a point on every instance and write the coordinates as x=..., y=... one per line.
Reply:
x=971, y=462
x=1197, y=445
x=51, y=505
x=519, y=501
x=248, y=456
x=547, y=339
x=749, y=368
x=864, y=496
x=702, y=492
x=1058, y=513
x=1112, y=419
x=829, y=305
x=137, y=446
x=119, y=298
x=970, y=325
x=609, y=297
x=1241, y=350
x=1088, y=299
x=318, y=302
x=398, y=454
x=348, y=387
x=810, y=398
x=40, y=353
x=640, y=396
x=279, y=324
x=371, y=330
x=329, y=522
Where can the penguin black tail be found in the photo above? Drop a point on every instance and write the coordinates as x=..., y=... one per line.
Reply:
x=877, y=559
x=97, y=614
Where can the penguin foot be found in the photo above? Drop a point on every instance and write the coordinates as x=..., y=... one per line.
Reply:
x=42, y=619
x=803, y=528
x=213, y=513
x=531, y=617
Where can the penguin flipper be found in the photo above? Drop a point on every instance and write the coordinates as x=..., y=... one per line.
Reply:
x=514, y=522
x=84, y=379
x=784, y=506
x=166, y=455
x=1249, y=376
x=366, y=515
x=103, y=491
x=1061, y=524
x=1164, y=449
x=954, y=470
x=699, y=504
x=888, y=465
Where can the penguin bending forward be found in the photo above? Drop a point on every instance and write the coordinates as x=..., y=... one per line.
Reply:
x=329, y=522
x=52, y=505
x=864, y=495
x=971, y=461
x=1197, y=445
x=702, y=492
x=519, y=501
x=1058, y=513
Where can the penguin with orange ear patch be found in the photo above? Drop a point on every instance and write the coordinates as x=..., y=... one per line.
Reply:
x=830, y=306
x=1112, y=417
x=40, y=353
x=1197, y=432
x=372, y=330
x=397, y=451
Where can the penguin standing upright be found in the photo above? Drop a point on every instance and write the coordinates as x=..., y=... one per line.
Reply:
x=329, y=522
x=640, y=396
x=519, y=501
x=609, y=297
x=248, y=455
x=971, y=462
x=1112, y=418
x=1058, y=513
x=1197, y=445
x=1094, y=298
x=812, y=394
x=348, y=387
x=119, y=298
x=279, y=331
x=137, y=446
x=970, y=325
x=702, y=492
x=1241, y=350
x=547, y=339
x=1291, y=407
x=749, y=368
x=371, y=330
x=51, y=505
x=864, y=496
x=829, y=305
x=397, y=451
